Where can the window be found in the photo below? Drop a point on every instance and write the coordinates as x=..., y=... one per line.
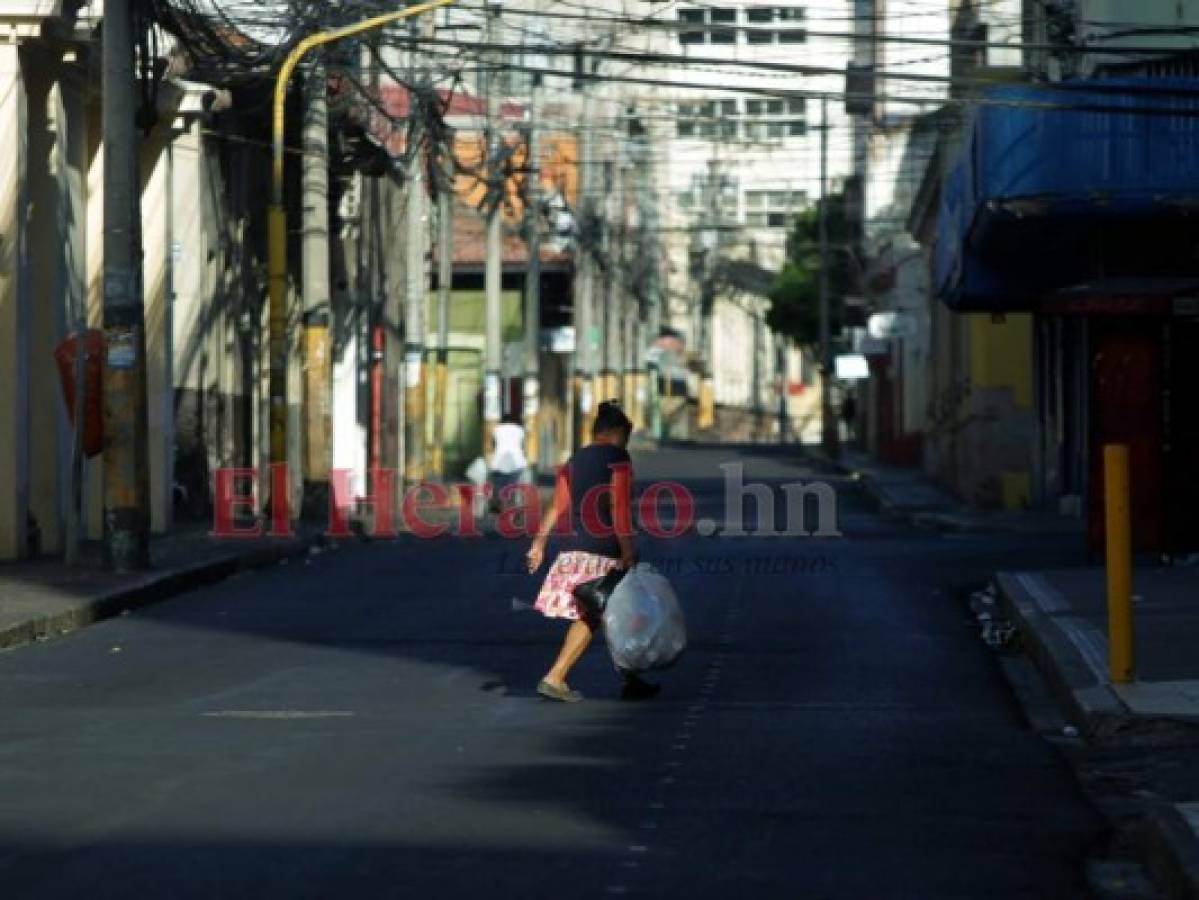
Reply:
x=707, y=200
x=723, y=35
x=711, y=25
x=707, y=119
x=775, y=119
x=775, y=25
x=773, y=209
x=691, y=17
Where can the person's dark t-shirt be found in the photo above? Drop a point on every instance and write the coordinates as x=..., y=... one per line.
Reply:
x=588, y=468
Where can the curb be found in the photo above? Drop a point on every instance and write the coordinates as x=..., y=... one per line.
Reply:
x=819, y=457
x=1165, y=841
x=934, y=517
x=151, y=588
x=1087, y=700
x=1170, y=849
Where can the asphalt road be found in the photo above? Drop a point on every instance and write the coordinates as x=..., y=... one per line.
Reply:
x=364, y=725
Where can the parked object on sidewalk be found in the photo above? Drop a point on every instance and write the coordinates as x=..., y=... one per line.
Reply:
x=644, y=623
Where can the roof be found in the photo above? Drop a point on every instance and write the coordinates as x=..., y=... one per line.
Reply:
x=470, y=244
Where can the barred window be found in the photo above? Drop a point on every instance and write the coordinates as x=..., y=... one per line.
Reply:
x=709, y=25
x=775, y=119
x=775, y=25
x=707, y=119
x=773, y=209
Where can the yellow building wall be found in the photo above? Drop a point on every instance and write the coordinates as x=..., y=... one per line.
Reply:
x=1001, y=355
x=1001, y=358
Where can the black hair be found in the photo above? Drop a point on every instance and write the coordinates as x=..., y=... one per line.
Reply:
x=510, y=419
x=610, y=417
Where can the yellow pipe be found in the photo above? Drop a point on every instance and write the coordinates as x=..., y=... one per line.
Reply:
x=1119, y=563
x=277, y=227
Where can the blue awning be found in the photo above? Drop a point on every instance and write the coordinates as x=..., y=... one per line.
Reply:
x=1056, y=184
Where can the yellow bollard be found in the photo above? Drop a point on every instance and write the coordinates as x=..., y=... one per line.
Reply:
x=1119, y=563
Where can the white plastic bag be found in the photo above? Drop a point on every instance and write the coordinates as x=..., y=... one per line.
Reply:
x=476, y=474
x=643, y=622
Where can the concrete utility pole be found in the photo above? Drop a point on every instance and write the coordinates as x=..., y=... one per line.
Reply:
x=629, y=312
x=493, y=348
x=584, y=283
x=710, y=236
x=416, y=288
x=650, y=320
x=828, y=425
x=126, y=472
x=532, y=384
x=631, y=309
x=445, y=278
x=781, y=353
x=610, y=376
x=317, y=296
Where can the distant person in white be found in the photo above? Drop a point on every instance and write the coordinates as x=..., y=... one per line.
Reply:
x=508, y=460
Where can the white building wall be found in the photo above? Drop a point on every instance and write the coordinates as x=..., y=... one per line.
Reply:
x=765, y=174
x=1107, y=23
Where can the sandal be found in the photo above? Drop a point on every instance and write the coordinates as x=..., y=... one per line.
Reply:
x=562, y=694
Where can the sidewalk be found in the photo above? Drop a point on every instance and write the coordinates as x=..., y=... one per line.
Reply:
x=44, y=597
x=1061, y=617
x=910, y=494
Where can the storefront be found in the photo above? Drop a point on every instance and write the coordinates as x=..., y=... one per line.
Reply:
x=1077, y=203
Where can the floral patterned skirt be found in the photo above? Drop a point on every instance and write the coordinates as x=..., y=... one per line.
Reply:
x=556, y=598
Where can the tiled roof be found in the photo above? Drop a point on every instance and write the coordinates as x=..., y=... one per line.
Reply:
x=470, y=243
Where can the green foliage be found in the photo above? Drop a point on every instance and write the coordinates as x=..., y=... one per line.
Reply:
x=795, y=292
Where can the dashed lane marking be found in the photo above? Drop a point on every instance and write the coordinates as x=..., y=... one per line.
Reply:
x=278, y=714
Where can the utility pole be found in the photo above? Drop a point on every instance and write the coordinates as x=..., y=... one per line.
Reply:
x=650, y=315
x=610, y=376
x=493, y=348
x=584, y=283
x=317, y=296
x=828, y=425
x=629, y=313
x=126, y=473
x=532, y=386
x=445, y=278
x=415, y=283
x=781, y=354
x=710, y=236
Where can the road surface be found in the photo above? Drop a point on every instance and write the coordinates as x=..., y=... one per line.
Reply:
x=365, y=725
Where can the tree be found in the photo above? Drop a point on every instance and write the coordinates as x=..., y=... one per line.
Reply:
x=795, y=292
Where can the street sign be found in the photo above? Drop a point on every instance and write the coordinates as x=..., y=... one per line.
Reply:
x=893, y=324
x=558, y=340
x=851, y=367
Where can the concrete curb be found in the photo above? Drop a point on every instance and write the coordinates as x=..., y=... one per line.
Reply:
x=1088, y=700
x=1165, y=840
x=150, y=588
x=923, y=515
x=1170, y=850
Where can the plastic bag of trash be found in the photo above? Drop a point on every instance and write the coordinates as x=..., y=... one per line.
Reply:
x=643, y=622
x=476, y=472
